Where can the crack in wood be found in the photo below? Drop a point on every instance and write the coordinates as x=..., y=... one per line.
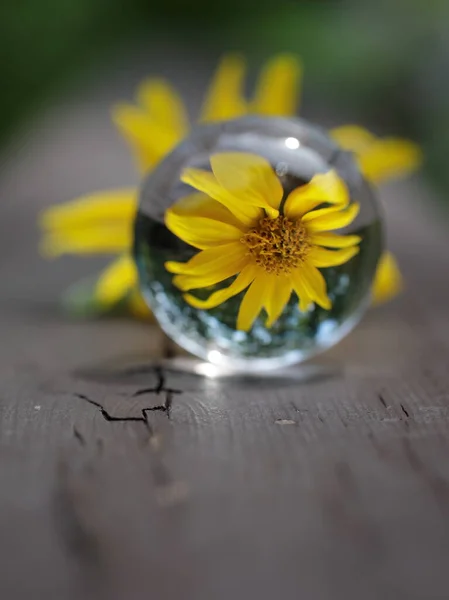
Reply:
x=112, y=419
x=160, y=387
x=405, y=411
x=78, y=436
x=157, y=389
x=382, y=400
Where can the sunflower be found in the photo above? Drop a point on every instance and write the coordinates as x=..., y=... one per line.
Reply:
x=244, y=228
x=101, y=223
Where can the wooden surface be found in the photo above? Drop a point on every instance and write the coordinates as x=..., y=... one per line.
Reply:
x=128, y=484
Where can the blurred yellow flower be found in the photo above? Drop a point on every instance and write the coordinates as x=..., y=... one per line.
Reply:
x=239, y=226
x=102, y=222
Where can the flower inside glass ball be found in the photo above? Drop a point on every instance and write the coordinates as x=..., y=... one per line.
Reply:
x=256, y=242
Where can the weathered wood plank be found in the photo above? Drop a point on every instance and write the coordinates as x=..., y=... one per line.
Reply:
x=334, y=488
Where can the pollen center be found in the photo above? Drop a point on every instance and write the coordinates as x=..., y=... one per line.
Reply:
x=278, y=245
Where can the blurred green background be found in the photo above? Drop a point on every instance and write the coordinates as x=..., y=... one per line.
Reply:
x=383, y=63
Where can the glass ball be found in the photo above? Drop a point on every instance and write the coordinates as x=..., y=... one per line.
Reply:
x=297, y=152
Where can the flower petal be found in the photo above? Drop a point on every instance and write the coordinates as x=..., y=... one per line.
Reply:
x=107, y=239
x=205, y=182
x=320, y=257
x=224, y=99
x=278, y=87
x=323, y=188
x=116, y=281
x=389, y=158
x=101, y=207
x=249, y=177
x=326, y=219
x=252, y=302
x=201, y=232
x=242, y=281
x=301, y=291
x=388, y=280
x=379, y=159
x=194, y=282
x=205, y=260
x=277, y=295
x=149, y=140
x=311, y=280
x=163, y=105
x=209, y=266
x=200, y=205
x=333, y=240
x=352, y=137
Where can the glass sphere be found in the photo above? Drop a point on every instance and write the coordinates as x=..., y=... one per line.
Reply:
x=297, y=151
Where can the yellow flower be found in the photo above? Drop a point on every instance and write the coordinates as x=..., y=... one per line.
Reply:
x=152, y=126
x=102, y=222
x=241, y=229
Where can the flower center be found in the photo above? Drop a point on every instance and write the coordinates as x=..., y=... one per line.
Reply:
x=278, y=245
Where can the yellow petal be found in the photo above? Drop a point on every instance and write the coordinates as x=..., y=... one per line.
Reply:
x=108, y=239
x=388, y=281
x=101, y=207
x=224, y=99
x=326, y=219
x=249, y=177
x=323, y=188
x=164, y=106
x=308, y=277
x=149, y=140
x=320, y=257
x=379, y=159
x=333, y=240
x=200, y=205
x=205, y=182
x=252, y=302
x=389, y=158
x=278, y=87
x=194, y=282
x=352, y=137
x=242, y=281
x=116, y=281
x=201, y=232
x=301, y=291
x=276, y=297
x=205, y=260
x=209, y=266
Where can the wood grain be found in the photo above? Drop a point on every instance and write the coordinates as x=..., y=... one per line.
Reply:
x=130, y=484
